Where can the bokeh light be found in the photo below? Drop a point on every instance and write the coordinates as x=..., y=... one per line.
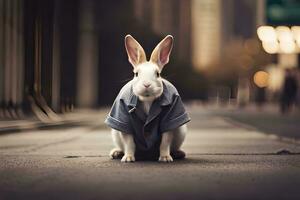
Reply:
x=266, y=34
x=296, y=34
x=287, y=46
x=276, y=78
x=286, y=40
x=271, y=47
x=281, y=39
x=261, y=79
x=283, y=33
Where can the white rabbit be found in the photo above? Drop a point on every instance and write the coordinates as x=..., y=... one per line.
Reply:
x=148, y=109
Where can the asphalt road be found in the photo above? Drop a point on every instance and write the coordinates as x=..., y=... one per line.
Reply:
x=224, y=161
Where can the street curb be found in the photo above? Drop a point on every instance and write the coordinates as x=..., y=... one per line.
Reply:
x=44, y=126
x=33, y=126
x=252, y=128
x=81, y=117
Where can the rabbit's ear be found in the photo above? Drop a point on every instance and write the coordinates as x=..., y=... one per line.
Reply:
x=162, y=51
x=135, y=51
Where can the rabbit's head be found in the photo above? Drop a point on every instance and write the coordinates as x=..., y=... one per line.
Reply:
x=147, y=82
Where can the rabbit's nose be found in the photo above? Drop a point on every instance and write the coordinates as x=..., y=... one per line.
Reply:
x=147, y=85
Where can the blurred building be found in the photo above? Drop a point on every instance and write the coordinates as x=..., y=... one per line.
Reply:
x=201, y=27
x=165, y=17
x=12, y=66
x=59, y=54
x=38, y=42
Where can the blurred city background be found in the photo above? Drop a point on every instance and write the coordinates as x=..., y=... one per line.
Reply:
x=57, y=55
x=235, y=64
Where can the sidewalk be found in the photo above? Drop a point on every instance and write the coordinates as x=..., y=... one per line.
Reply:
x=78, y=117
x=266, y=119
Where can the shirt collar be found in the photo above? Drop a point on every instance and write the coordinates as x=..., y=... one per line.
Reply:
x=164, y=100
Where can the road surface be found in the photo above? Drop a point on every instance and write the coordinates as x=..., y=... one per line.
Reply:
x=224, y=161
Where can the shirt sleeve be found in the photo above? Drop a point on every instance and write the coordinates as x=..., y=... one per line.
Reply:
x=118, y=118
x=175, y=117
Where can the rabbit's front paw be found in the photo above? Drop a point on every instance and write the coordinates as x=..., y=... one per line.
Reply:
x=116, y=154
x=128, y=158
x=165, y=158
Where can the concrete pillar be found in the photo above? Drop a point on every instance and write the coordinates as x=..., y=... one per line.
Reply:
x=143, y=11
x=56, y=59
x=20, y=53
x=139, y=9
x=184, y=32
x=13, y=51
x=1, y=54
x=87, y=74
x=7, y=51
x=206, y=32
x=260, y=12
x=162, y=17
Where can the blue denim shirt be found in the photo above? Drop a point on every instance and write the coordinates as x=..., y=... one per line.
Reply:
x=166, y=113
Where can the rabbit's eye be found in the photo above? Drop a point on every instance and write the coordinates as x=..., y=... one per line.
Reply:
x=135, y=74
x=157, y=74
